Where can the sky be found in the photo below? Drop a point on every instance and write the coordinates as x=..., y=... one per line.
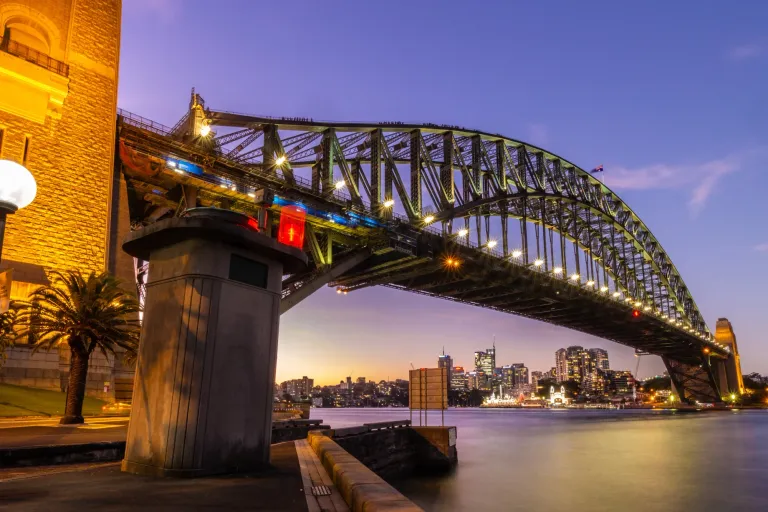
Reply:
x=668, y=96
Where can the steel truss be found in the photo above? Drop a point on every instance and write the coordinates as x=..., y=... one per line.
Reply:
x=526, y=224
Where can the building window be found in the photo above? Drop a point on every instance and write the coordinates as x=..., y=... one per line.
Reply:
x=25, y=155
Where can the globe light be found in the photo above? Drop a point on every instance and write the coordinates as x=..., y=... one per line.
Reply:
x=517, y=253
x=17, y=186
x=340, y=184
x=538, y=262
x=575, y=277
x=463, y=232
x=280, y=160
x=389, y=203
x=491, y=244
x=428, y=219
x=205, y=130
x=557, y=270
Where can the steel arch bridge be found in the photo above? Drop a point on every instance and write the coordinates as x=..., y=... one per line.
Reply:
x=440, y=210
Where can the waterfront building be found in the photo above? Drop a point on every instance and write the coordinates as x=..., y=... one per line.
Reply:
x=536, y=376
x=561, y=365
x=458, y=378
x=298, y=388
x=485, y=361
x=507, y=376
x=520, y=374
x=477, y=380
x=621, y=382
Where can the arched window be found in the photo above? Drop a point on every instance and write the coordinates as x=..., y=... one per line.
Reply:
x=27, y=32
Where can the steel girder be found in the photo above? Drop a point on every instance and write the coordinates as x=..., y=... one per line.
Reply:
x=464, y=179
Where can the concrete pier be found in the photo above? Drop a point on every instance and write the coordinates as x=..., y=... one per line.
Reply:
x=202, y=400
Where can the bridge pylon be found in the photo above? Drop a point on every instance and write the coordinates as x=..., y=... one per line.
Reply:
x=729, y=370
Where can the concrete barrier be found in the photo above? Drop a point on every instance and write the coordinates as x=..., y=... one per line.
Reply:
x=361, y=488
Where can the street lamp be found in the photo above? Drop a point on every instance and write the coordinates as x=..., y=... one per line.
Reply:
x=17, y=190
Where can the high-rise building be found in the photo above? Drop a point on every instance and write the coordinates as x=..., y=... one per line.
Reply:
x=620, y=382
x=578, y=364
x=536, y=376
x=508, y=376
x=446, y=361
x=477, y=380
x=561, y=365
x=521, y=374
x=361, y=380
x=298, y=388
x=458, y=378
x=599, y=358
x=485, y=361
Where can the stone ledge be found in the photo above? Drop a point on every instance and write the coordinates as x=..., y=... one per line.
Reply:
x=362, y=489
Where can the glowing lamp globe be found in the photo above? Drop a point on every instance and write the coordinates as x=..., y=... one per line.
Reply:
x=17, y=186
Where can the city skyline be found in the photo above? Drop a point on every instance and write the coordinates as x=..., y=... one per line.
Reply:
x=674, y=119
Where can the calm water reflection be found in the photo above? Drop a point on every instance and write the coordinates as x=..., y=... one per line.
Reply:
x=592, y=460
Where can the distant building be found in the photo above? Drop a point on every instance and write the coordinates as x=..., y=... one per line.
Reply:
x=508, y=376
x=621, y=382
x=361, y=380
x=298, y=388
x=520, y=374
x=561, y=365
x=485, y=361
x=446, y=361
x=458, y=378
x=599, y=358
x=477, y=380
x=536, y=376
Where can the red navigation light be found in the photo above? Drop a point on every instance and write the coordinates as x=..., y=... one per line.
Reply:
x=291, y=230
x=635, y=313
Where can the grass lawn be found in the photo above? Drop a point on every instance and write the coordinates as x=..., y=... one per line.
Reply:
x=23, y=401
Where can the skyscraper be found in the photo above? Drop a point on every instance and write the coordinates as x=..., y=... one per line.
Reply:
x=599, y=358
x=486, y=361
x=561, y=365
x=520, y=374
x=446, y=361
x=458, y=378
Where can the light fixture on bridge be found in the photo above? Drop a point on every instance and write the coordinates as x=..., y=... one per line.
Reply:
x=604, y=289
x=491, y=244
x=205, y=130
x=463, y=232
x=389, y=203
x=616, y=294
x=233, y=187
x=575, y=277
x=647, y=308
x=451, y=262
x=638, y=303
x=590, y=283
x=517, y=253
x=429, y=219
x=280, y=160
x=558, y=270
x=223, y=185
x=538, y=262
x=252, y=194
x=340, y=184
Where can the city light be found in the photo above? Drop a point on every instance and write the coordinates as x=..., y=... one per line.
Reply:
x=638, y=303
x=604, y=289
x=558, y=270
x=428, y=219
x=590, y=283
x=463, y=232
x=205, y=130
x=628, y=299
x=635, y=313
x=491, y=244
x=647, y=308
x=616, y=294
x=251, y=194
x=340, y=184
x=517, y=253
x=451, y=262
x=280, y=160
x=575, y=277
x=177, y=170
x=389, y=203
x=538, y=262
x=223, y=185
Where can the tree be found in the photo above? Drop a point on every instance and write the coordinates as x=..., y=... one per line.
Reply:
x=8, y=328
x=86, y=313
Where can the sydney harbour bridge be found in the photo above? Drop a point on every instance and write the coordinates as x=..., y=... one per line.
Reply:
x=444, y=211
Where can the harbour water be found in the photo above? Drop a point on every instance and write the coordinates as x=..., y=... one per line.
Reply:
x=597, y=460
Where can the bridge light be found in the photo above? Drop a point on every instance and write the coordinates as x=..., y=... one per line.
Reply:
x=340, y=184
x=616, y=294
x=223, y=185
x=590, y=283
x=252, y=194
x=280, y=160
x=558, y=270
x=517, y=253
x=338, y=290
x=389, y=203
x=428, y=219
x=538, y=262
x=491, y=244
x=647, y=308
x=635, y=313
x=628, y=299
x=463, y=232
x=205, y=130
x=575, y=277
x=604, y=289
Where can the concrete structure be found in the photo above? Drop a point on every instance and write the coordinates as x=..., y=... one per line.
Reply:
x=729, y=371
x=203, y=395
x=58, y=101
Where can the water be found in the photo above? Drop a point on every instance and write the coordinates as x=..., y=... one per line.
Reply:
x=569, y=460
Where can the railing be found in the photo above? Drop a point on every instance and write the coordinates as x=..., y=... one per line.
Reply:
x=35, y=57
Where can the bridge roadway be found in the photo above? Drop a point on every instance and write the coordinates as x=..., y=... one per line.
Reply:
x=579, y=256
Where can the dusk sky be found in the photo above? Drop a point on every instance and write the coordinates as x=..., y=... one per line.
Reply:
x=669, y=96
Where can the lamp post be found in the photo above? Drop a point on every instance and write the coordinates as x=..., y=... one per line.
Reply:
x=17, y=190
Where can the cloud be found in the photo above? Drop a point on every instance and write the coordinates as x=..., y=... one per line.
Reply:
x=699, y=180
x=762, y=247
x=745, y=51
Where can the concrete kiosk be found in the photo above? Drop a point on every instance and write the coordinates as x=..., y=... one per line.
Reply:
x=202, y=400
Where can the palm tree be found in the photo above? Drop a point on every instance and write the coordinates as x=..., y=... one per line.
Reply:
x=86, y=313
x=8, y=328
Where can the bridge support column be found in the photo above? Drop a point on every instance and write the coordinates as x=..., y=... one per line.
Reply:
x=202, y=400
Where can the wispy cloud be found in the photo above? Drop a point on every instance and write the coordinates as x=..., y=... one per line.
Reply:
x=762, y=247
x=700, y=180
x=745, y=51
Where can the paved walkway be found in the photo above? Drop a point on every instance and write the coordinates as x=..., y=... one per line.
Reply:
x=104, y=487
x=321, y=494
x=46, y=432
